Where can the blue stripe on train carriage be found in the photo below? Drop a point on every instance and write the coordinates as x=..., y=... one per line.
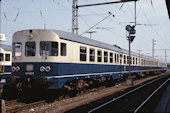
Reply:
x=62, y=72
x=58, y=69
x=7, y=71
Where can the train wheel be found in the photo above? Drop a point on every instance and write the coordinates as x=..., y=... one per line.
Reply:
x=9, y=92
x=10, y=79
x=39, y=81
x=61, y=97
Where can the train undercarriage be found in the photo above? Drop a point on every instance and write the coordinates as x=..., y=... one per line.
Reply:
x=39, y=85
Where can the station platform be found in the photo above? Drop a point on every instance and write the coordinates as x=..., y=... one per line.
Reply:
x=164, y=104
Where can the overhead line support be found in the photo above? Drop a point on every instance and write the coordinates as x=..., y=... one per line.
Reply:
x=105, y=3
x=165, y=53
x=75, y=7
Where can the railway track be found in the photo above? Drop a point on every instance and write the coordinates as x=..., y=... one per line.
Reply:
x=133, y=100
x=10, y=102
x=14, y=106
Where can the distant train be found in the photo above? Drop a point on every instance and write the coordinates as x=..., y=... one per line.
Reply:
x=168, y=65
x=56, y=59
x=5, y=60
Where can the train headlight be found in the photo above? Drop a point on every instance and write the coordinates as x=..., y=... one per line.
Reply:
x=47, y=69
x=17, y=68
x=13, y=68
x=42, y=68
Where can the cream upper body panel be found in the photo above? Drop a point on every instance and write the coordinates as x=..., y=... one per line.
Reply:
x=73, y=44
x=33, y=36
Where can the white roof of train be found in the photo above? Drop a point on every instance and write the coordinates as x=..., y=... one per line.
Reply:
x=6, y=47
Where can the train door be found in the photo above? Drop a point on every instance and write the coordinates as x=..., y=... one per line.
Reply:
x=2, y=64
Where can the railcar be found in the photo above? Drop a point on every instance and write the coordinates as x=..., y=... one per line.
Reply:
x=55, y=59
x=168, y=65
x=5, y=60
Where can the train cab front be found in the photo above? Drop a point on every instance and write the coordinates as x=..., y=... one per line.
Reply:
x=34, y=53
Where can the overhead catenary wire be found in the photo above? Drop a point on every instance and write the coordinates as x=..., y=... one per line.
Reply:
x=110, y=14
x=5, y=16
x=123, y=28
x=125, y=14
x=16, y=17
x=155, y=32
x=155, y=17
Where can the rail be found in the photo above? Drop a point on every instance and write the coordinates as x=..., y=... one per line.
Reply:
x=119, y=97
x=22, y=106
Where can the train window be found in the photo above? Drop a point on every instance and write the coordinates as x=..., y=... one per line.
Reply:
x=1, y=57
x=111, y=57
x=136, y=60
x=49, y=48
x=99, y=56
x=30, y=49
x=63, y=49
x=120, y=58
x=54, y=49
x=142, y=62
x=105, y=56
x=127, y=59
x=83, y=52
x=7, y=57
x=133, y=60
x=17, y=47
x=124, y=59
x=92, y=54
x=115, y=58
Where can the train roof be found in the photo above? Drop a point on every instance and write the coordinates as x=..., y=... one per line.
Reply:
x=84, y=40
x=77, y=38
x=6, y=47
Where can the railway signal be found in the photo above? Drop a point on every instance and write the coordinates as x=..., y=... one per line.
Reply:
x=132, y=31
x=130, y=37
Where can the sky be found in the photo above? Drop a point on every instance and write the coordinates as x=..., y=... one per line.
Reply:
x=152, y=21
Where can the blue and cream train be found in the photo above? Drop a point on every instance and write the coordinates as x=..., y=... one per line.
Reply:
x=57, y=59
x=5, y=60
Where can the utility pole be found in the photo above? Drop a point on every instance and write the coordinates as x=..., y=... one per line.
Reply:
x=139, y=60
x=75, y=17
x=75, y=7
x=165, y=56
x=135, y=13
x=153, y=44
x=165, y=53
